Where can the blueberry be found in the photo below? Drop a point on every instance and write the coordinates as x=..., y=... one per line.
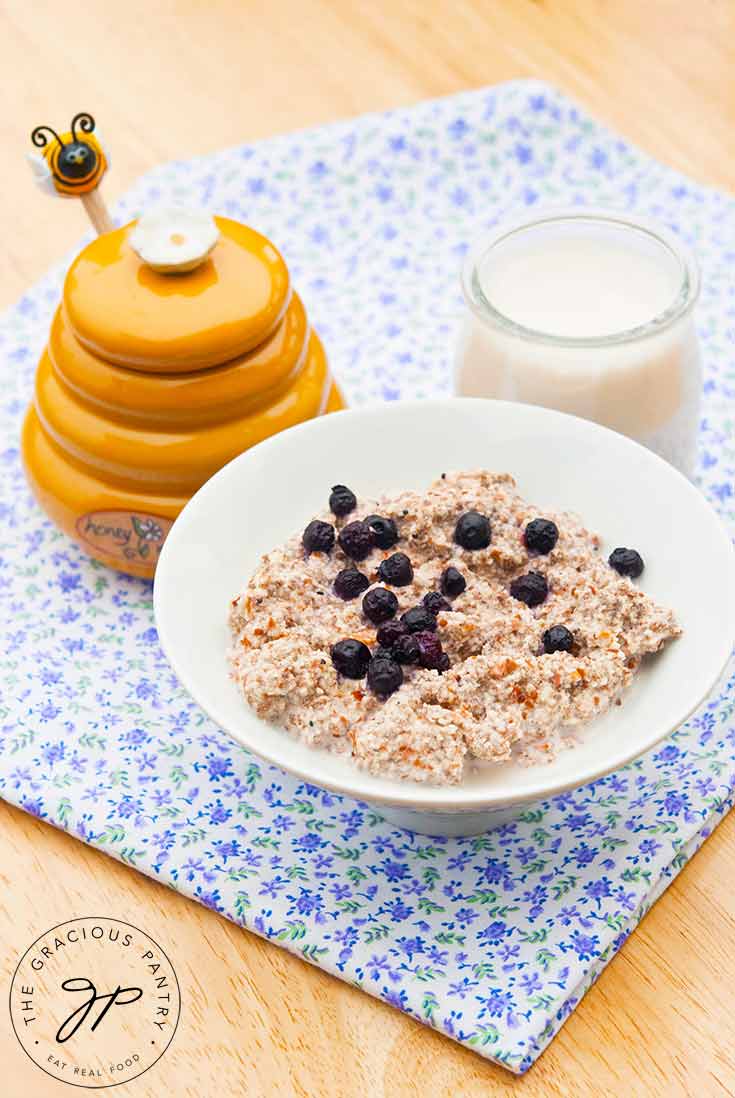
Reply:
x=541, y=535
x=342, y=500
x=558, y=639
x=435, y=603
x=349, y=583
x=385, y=531
x=531, y=588
x=396, y=570
x=318, y=537
x=384, y=675
x=381, y=653
x=406, y=649
x=390, y=631
x=627, y=562
x=431, y=653
x=418, y=619
x=472, y=530
x=356, y=540
x=452, y=582
x=351, y=658
x=379, y=605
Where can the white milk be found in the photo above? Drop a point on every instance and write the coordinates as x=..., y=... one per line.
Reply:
x=590, y=314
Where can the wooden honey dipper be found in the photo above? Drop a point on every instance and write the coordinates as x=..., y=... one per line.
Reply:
x=71, y=165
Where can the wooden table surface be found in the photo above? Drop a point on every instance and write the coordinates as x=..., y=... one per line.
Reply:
x=168, y=79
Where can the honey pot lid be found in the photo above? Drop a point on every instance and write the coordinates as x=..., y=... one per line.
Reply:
x=129, y=301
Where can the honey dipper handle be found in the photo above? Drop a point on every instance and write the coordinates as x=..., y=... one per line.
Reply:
x=97, y=212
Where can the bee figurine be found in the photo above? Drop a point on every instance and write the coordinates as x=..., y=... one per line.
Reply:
x=72, y=165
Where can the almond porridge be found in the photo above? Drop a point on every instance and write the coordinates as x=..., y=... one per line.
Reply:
x=429, y=630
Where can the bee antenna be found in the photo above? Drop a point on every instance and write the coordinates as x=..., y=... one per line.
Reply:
x=39, y=139
x=85, y=123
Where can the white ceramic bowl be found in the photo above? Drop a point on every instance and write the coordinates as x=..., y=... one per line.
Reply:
x=623, y=491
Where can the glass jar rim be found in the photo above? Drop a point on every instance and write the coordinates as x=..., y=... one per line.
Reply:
x=486, y=312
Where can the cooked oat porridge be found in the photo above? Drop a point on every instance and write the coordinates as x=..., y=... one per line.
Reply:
x=427, y=631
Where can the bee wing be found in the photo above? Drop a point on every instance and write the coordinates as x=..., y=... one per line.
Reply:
x=41, y=173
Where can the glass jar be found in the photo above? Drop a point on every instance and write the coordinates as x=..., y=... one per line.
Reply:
x=591, y=312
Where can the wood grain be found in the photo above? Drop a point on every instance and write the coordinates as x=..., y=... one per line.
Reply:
x=179, y=78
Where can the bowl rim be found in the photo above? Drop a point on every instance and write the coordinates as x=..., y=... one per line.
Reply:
x=448, y=798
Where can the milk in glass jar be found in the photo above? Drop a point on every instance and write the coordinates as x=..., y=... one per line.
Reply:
x=590, y=312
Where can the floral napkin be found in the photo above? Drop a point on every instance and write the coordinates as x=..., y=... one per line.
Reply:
x=492, y=940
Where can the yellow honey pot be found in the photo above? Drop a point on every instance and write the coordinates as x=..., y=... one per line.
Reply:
x=151, y=381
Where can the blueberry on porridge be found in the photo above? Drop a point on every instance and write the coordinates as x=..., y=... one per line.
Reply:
x=379, y=605
x=452, y=582
x=473, y=531
x=510, y=630
x=384, y=675
x=558, y=639
x=349, y=583
x=390, y=631
x=531, y=588
x=541, y=535
x=406, y=649
x=351, y=658
x=396, y=570
x=419, y=620
x=435, y=603
x=318, y=537
x=627, y=562
x=356, y=540
x=385, y=531
x=431, y=653
x=342, y=500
